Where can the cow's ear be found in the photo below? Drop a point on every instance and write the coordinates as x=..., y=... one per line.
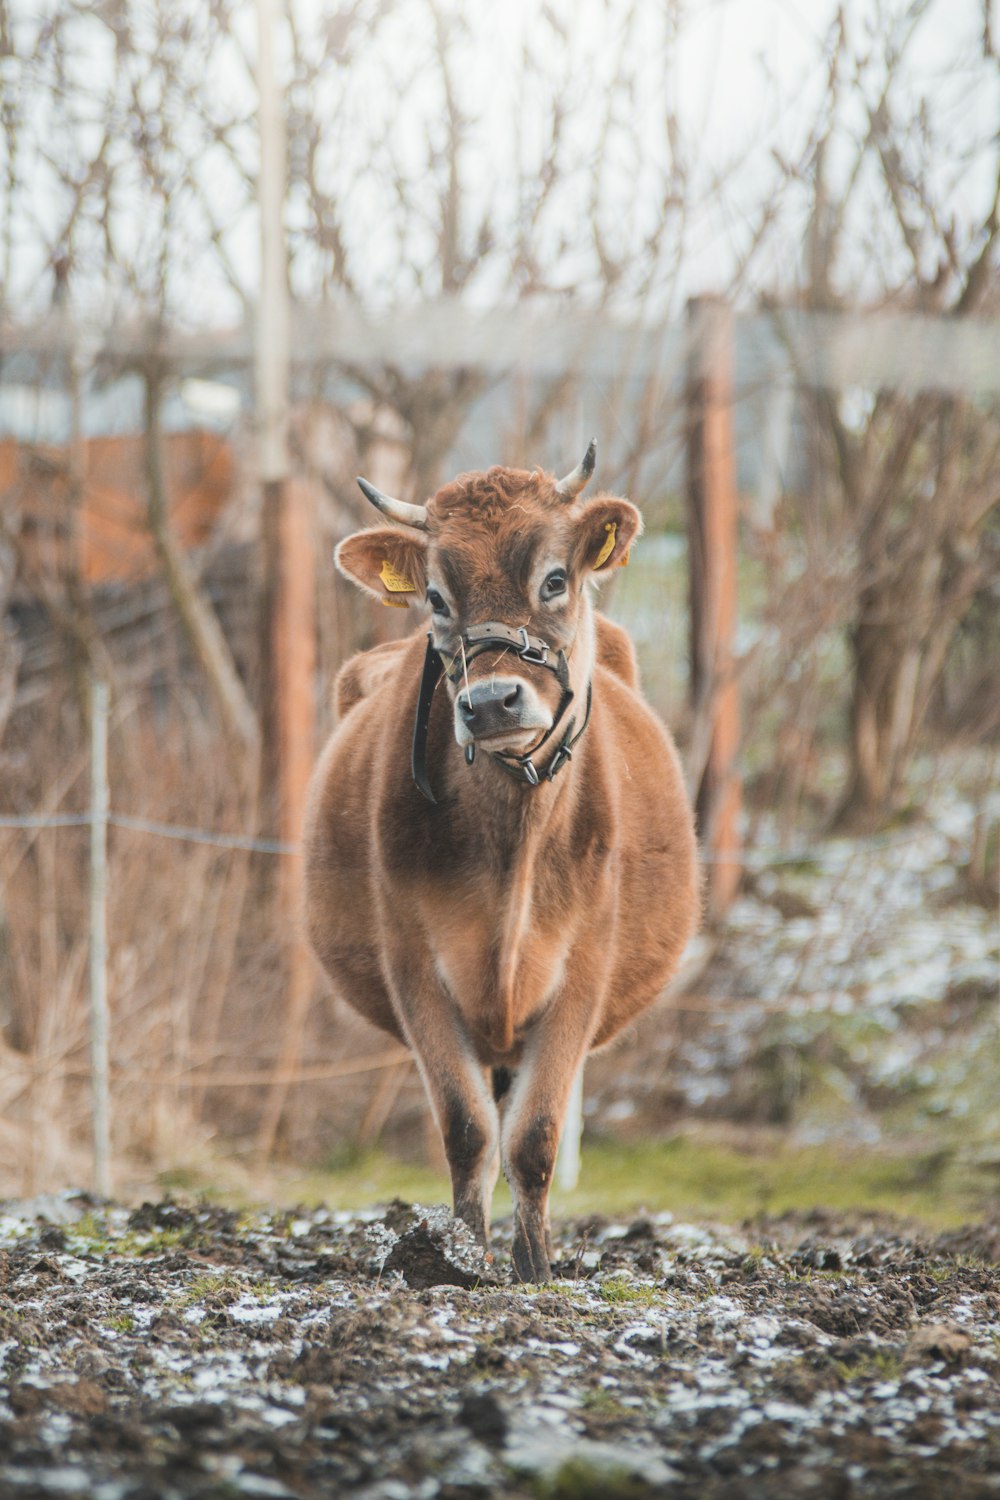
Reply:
x=605, y=530
x=386, y=562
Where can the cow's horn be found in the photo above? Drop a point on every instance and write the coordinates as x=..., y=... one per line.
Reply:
x=396, y=510
x=570, y=487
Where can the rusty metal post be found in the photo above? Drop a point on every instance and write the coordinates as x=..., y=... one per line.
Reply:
x=711, y=500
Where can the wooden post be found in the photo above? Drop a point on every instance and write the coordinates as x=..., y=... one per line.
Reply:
x=568, y=1158
x=711, y=494
x=100, y=1105
x=294, y=645
x=272, y=344
x=294, y=656
x=271, y=396
x=290, y=595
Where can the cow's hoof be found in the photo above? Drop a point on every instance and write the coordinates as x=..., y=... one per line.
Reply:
x=531, y=1263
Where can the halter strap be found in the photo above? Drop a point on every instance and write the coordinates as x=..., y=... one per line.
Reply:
x=429, y=679
x=532, y=649
x=523, y=767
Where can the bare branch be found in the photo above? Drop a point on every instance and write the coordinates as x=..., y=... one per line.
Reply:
x=197, y=617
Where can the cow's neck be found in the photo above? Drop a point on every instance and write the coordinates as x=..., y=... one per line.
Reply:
x=505, y=819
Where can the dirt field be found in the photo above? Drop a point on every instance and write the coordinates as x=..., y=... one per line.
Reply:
x=192, y=1351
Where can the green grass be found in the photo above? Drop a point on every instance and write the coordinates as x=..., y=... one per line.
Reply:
x=874, y=1364
x=581, y=1479
x=228, y=1285
x=691, y=1177
x=373, y=1177
x=620, y=1291
x=703, y=1179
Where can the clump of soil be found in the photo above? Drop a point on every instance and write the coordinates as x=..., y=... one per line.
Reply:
x=189, y=1351
x=432, y=1248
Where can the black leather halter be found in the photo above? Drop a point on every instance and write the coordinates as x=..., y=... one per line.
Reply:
x=476, y=640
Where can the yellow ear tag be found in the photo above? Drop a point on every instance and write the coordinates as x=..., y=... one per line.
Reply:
x=396, y=603
x=396, y=583
x=611, y=527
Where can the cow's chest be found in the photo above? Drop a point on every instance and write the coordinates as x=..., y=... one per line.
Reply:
x=500, y=951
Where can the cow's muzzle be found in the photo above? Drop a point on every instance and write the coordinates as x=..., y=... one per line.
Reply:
x=502, y=709
x=505, y=709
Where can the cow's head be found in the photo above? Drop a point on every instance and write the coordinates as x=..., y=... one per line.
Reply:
x=503, y=547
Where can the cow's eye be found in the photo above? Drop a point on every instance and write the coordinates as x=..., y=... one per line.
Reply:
x=554, y=585
x=437, y=604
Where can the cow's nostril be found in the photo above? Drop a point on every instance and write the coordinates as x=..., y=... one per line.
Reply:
x=490, y=706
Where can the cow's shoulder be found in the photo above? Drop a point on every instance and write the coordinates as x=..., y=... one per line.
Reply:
x=367, y=671
x=636, y=747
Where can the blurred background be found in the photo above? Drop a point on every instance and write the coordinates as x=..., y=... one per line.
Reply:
x=249, y=251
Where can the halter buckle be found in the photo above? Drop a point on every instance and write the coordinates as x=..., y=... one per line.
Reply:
x=528, y=653
x=559, y=759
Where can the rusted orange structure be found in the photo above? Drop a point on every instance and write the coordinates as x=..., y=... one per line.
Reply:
x=89, y=516
x=712, y=543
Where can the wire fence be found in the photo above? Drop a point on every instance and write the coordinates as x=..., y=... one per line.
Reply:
x=761, y=857
x=202, y=1073
x=211, y=1070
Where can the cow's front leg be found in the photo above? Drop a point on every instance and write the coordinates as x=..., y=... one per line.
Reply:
x=462, y=1103
x=532, y=1126
x=468, y=1120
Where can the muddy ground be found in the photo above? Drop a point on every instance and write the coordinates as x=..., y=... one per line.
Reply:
x=182, y=1351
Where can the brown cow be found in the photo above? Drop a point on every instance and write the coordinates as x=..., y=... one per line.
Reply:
x=502, y=874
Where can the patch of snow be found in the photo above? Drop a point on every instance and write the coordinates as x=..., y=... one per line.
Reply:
x=541, y=1449
x=259, y=1484
x=63, y=1480
x=248, y=1310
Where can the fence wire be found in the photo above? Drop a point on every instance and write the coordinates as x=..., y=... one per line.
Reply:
x=761, y=857
x=247, y=842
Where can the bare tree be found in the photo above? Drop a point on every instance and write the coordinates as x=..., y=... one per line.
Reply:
x=107, y=187
x=900, y=517
x=432, y=162
x=423, y=166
